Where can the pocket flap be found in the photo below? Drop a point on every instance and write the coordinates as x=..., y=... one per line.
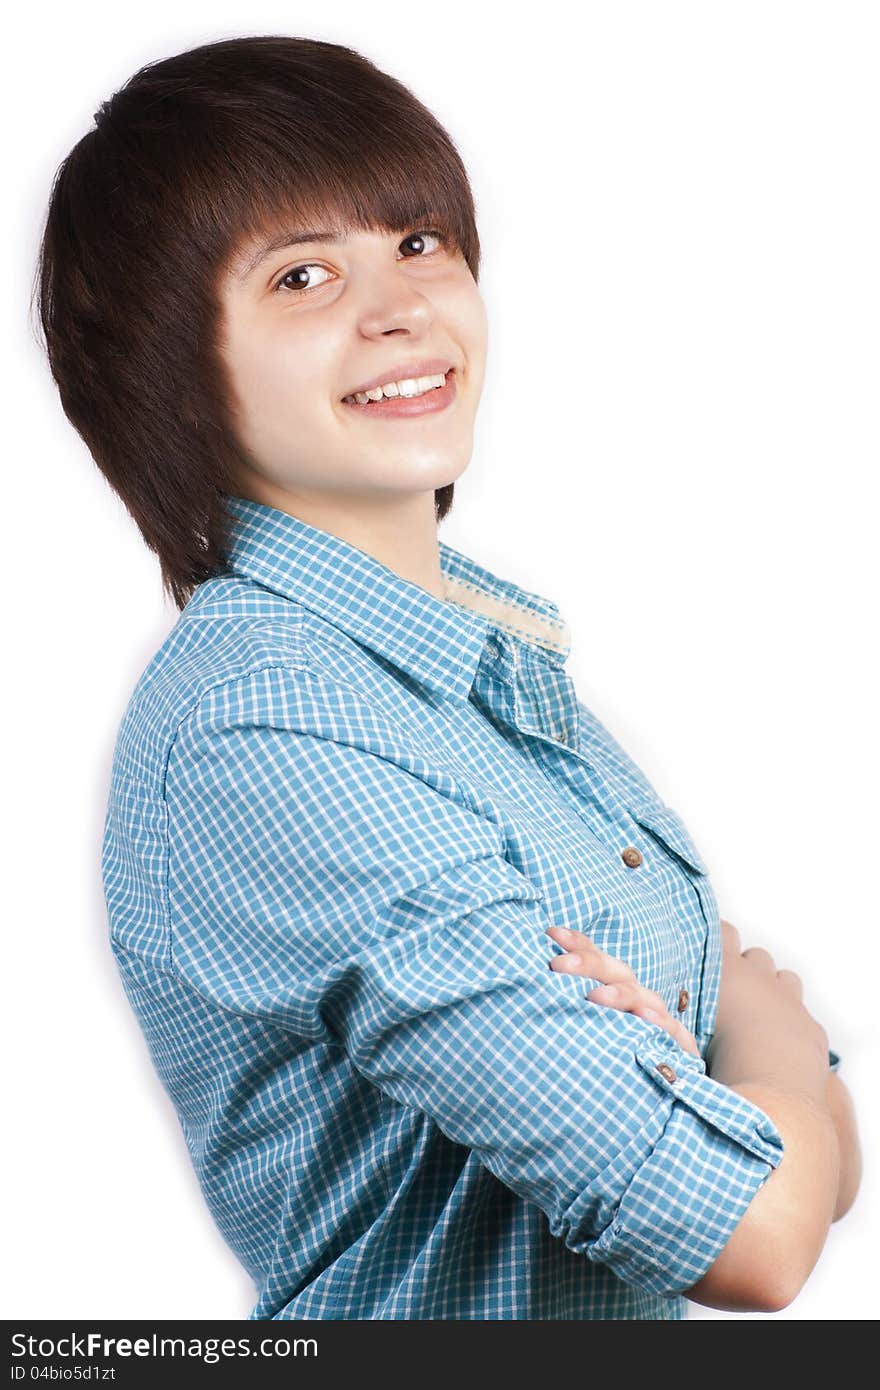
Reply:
x=667, y=826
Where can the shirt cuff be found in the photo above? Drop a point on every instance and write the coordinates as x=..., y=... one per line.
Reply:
x=688, y=1195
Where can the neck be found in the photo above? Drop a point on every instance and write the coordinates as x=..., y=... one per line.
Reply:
x=399, y=531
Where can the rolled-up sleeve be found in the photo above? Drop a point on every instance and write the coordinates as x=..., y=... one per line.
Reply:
x=326, y=889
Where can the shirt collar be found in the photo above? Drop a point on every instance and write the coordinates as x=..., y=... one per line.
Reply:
x=436, y=641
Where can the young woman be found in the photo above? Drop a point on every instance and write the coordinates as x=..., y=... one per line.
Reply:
x=434, y=977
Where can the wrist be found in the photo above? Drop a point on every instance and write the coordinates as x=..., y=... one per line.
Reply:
x=767, y=1060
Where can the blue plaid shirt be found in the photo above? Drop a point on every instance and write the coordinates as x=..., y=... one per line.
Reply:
x=342, y=815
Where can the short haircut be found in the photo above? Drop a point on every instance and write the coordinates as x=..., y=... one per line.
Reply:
x=192, y=157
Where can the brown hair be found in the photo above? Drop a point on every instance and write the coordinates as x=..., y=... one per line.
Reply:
x=190, y=157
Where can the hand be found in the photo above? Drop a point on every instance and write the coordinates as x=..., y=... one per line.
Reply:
x=843, y=1112
x=619, y=989
x=763, y=1031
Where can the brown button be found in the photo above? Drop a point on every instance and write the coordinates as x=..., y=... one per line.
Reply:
x=666, y=1071
x=683, y=998
x=631, y=857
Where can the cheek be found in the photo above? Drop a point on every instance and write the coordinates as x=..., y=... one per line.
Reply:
x=469, y=324
x=279, y=377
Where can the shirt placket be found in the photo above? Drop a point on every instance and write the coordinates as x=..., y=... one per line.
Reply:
x=541, y=703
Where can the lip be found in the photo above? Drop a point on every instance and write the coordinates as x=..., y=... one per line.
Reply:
x=403, y=407
x=427, y=366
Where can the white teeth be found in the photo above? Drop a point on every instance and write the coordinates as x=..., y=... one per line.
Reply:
x=410, y=386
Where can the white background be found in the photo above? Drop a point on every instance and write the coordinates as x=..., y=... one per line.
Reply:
x=678, y=441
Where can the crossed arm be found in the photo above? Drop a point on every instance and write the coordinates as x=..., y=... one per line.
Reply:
x=621, y=990
x=408, y=937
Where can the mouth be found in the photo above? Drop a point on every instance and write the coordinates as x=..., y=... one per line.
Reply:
x=428, y=401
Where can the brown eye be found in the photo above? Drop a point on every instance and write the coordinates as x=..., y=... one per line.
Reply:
x=420, y=238
x=297, y=280
x=295, y=275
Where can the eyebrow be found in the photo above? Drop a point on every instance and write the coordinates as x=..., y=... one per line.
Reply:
x=284, y=239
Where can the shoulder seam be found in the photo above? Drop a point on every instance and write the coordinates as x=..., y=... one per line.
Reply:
x=187, y=714
x=218, y=685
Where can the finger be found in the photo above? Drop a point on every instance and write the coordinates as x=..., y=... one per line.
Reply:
x=688, y=1043
x=628, y=997
x=685, y=1040
x=584, y=957
x=611, y=970
x=792, y=980
x=675, y=1028
x=760, y=957
x=568, y=937
x=623, y=992
x=595, y=965
x=572, y=963
x=730, y=939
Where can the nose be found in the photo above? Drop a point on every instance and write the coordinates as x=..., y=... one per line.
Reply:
x=394, y=305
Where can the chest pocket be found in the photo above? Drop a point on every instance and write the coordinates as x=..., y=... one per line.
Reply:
x=667, y=826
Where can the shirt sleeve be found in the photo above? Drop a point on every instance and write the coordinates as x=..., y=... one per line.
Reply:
x=318, y=885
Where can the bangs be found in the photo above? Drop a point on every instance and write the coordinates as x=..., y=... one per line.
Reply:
x=293, y=159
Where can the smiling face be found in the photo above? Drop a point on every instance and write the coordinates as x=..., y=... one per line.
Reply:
x=304, y=325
